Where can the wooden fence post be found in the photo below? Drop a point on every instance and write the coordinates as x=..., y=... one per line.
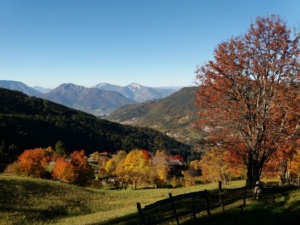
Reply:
x=207, y=203
x=141, y=213
x=174, y=208
x=245, y=193
x=221, y=196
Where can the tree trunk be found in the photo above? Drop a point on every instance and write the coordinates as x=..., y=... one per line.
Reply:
x=254, y=169
x=249, y=170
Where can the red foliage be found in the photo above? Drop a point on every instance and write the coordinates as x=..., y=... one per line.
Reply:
x=145, y=154
x=248, y=97
x=77, y=170
x=178, y=157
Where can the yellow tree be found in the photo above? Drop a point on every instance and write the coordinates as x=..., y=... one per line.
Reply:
x=110, y=167
x=121, y=154
x=217, y=165
x=122, y=174
x=111, y=164
x=137, y=166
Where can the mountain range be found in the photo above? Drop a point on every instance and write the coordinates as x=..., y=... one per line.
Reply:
x=98, y=100
x=138, y=92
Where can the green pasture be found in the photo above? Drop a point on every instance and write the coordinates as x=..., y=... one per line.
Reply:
x=36, y=201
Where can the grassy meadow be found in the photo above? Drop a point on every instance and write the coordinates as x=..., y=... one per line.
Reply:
x=36, y=201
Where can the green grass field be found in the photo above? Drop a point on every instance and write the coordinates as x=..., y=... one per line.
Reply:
x=37, y=201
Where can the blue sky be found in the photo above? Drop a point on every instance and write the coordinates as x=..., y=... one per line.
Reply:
x=151, y=42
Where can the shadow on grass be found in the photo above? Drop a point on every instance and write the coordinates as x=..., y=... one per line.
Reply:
x=131, y=219
x=284, y=211
x=38, y=214
x=250, y=217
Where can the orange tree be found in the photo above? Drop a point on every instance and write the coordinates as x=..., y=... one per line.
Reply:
x=34, y=162
x=285, y=164
x=64, y=171
x=295, y=166
x=76, y=170
x=248, y=95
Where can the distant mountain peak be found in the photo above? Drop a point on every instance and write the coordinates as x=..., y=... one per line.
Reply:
x=19, y=86
x=66, y=86
x=135, y=86
x=100, y=85
x=137, y=92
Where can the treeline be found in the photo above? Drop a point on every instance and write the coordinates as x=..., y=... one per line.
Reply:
x=137, y=167
x=47, y=164
x=141, y=168
x=27, y=122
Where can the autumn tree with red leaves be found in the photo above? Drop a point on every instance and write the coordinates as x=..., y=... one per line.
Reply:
x=248, y=95
x=76, y=170
x=64, y=171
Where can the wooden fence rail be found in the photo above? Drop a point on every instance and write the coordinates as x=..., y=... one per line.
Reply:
x=174, y=207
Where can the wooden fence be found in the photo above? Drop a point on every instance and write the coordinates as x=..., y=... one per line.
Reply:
x=174, y=207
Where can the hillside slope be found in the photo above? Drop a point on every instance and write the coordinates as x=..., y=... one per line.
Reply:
x=174, y=115
x=29, y=122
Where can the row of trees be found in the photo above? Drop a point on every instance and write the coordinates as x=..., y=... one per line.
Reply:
x=37, y=163
x=139, y=167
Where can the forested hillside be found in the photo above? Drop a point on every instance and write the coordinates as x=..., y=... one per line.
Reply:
x=29, y=122
x=174, y=115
